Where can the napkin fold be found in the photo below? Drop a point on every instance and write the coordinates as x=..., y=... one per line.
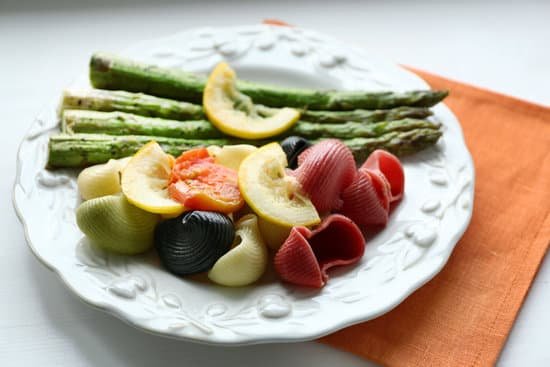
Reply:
x=463, y=316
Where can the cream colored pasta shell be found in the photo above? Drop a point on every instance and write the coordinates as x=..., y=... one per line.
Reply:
x=101, y=179
x=230, y=156
x=122, y=162
x=246, y=261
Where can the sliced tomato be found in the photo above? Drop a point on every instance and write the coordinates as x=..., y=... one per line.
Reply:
x=200, y=184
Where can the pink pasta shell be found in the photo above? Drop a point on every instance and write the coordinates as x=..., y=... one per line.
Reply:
x=306, y=255
x=324, y=171
x=388, y=165
x=366, y=200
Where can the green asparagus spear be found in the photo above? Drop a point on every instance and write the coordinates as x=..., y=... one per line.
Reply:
x=120, y=123
x=80, y=150
x=399, y=143
x=112, y=72
x=350, y=130
x=338, y=117
x=146, y=105
x=137, y=103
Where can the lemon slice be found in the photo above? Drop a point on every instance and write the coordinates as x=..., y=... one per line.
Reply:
x=145, y=179
x=272, y=194
x=235, y=114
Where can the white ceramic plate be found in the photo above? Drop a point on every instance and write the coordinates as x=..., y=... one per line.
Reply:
x=416, y=244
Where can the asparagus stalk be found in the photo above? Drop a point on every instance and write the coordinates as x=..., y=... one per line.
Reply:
x=137, y=103
x=337, y=117
x=120, y=123
x=80, y=150
x=112, y=72
x=400, y=143
x=350, y=130
x=146, y=105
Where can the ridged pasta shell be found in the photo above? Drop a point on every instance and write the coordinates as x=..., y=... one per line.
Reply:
x=246, y=261
x=194, y=241
x=362, y=202
x=101, y=179
x=306, y=255
x=390, y=167
x=293, y=146
x=231, y=156
x=274, y=234
x=295, y=261
x=114, y=224
x=327, y=169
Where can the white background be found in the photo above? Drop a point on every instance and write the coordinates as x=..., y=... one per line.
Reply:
x=504, y=46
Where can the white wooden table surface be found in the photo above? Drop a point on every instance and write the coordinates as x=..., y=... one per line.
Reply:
x=43, y=46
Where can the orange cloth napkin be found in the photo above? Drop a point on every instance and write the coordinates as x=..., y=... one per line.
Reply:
x=463, y=316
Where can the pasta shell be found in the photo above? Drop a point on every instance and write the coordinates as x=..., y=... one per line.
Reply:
x=246, y=261
x=306, y=256
x=382, y=187
x=231, y=156
x=273, y=234
x=101, y=179
x=390, y=167
x=295, y=261
x=194, y=241
x=362, y=202
x=114, y=224
x=293, y=146
x=327, y=169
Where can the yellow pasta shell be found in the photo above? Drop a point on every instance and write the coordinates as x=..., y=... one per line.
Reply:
x=274, y=234
x=101, y=179
x=231, y=156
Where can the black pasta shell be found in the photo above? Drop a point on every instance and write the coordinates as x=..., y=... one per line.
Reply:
x=293, y=146
x=194, y=241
